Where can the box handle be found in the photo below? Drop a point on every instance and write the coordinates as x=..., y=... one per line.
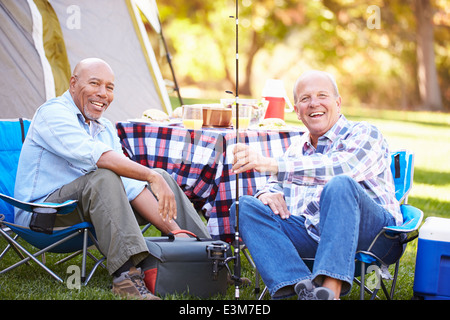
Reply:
x=172, y=234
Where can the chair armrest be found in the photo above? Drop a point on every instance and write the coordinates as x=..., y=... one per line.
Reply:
x=412, y=218
x=61, y=208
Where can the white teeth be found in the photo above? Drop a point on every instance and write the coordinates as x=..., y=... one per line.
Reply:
x=97, y=104
x=316, y=114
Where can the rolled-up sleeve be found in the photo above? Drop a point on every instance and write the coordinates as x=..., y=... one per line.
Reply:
x=132, y=187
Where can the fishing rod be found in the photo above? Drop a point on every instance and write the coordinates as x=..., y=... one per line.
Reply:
x=236, y=275
x=237, y=262
x=237, y=250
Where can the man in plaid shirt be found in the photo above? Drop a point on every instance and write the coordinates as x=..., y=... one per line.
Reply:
x=334, y=185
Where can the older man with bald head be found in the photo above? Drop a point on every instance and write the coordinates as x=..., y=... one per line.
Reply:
x=72, y=152
x=328, y=196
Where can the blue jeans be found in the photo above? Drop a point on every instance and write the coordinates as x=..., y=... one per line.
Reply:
x=349, y=221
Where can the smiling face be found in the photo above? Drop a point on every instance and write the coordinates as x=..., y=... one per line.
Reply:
x=317, y=104
x=92, y=88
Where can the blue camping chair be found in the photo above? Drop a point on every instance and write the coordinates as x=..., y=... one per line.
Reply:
x=402, y=167
x=74, y=239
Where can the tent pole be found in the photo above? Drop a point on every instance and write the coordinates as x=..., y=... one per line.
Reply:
x=169, y=60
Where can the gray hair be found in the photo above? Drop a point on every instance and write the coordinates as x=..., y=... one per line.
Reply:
x=328, y=75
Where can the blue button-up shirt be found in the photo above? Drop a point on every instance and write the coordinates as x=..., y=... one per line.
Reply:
x=60, y=147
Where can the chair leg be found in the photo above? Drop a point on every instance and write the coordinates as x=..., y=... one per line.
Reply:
x=362, y=285
x=83, y=262
x=16, y=250
x=20, y=250
x=250, y=260
x=263, y=293
x=29, y=256
x=98, y=263
x=394, y=280
x=383, y=286
x=257, y=277
x=69, y=257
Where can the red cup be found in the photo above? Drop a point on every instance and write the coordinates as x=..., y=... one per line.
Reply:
x=275, y=109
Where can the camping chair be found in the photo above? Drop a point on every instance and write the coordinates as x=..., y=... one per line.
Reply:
x=74, y=239
x=402, y=167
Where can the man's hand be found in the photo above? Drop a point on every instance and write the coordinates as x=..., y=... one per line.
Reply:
x=276, y=202
x=125, y=167
x=245, y=158
x=167, y=206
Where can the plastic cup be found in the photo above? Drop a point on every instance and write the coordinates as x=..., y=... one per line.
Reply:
x=245, y=112
x=193, y=116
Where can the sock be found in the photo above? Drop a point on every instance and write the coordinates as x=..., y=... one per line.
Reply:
x=124, y=268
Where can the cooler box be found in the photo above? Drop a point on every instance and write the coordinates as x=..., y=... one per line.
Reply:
x=432, y=275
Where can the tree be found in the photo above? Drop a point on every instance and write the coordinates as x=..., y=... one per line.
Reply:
x=395, y=62
x=430, y=92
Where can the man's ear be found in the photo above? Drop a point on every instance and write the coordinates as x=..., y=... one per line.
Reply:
x=72, y=82
x=339, y=103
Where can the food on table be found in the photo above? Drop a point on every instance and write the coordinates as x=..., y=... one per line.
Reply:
x=273, y=123
x=177, y=113
x=155, y=115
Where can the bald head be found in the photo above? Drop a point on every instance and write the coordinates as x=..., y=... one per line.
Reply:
x=91, y=63
x=308, y=75
x=92, y=87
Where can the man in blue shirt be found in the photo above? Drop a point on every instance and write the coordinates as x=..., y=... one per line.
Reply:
x=72, y=152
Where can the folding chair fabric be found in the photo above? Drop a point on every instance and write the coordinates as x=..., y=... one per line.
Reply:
x=12, y=135
x=402, y=167
x=61, y=240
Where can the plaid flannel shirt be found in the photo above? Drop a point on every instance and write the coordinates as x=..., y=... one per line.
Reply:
x=356, y=149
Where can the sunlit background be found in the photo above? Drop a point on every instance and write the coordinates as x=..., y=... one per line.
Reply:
x=384, y=54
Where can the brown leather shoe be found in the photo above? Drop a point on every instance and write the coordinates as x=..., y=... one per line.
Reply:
x=131, y=285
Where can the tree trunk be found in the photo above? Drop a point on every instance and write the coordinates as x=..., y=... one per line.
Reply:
x=256, y=45
x=429, y=90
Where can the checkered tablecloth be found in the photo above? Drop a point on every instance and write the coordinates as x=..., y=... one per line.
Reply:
x=200, y=162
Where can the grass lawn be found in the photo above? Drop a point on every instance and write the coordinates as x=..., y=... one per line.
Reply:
x=426, y=134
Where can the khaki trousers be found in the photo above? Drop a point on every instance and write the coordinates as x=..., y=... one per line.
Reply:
x=103, y=202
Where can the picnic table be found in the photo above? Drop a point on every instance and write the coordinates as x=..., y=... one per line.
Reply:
x=201, y=160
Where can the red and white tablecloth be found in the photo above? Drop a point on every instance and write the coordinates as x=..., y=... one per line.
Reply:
x=200, y=162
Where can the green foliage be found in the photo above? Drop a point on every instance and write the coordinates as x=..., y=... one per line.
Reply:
x=281, y=39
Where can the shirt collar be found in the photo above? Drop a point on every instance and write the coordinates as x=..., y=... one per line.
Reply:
x=337, y=128
x=331, y=134
x=77, y=111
